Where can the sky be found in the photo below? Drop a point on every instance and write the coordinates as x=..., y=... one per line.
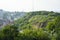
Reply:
x=30, y=5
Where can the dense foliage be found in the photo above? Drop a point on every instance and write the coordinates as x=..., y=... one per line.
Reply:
x=39, y=25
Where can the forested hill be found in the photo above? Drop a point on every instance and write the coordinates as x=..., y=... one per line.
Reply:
x=37, y=18
x=38, y=25
x=7, y=17
x=10, y=15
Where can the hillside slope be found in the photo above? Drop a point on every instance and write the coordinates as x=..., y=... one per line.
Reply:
x=37, y=19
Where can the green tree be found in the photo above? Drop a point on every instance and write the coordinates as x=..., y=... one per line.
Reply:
x=10, y=32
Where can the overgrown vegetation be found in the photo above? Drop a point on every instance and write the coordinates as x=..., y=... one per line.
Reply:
x=39, y=25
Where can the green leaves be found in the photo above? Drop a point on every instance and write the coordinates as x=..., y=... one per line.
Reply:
x=9, y=32
x=35, y=35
